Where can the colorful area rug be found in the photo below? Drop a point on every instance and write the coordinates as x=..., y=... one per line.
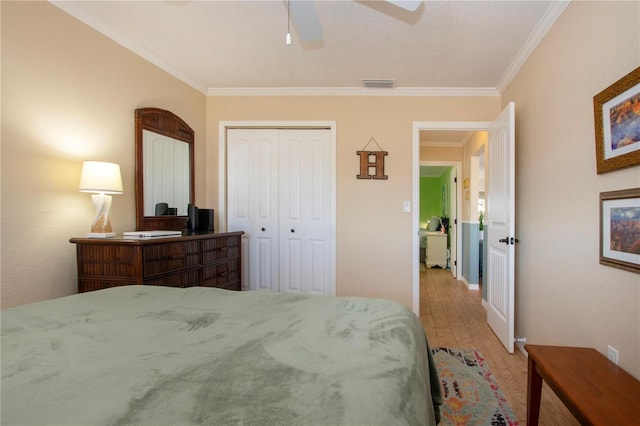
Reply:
x=470, y=393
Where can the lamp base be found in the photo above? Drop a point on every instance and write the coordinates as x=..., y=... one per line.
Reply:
x=101, y=234
x=101, y=227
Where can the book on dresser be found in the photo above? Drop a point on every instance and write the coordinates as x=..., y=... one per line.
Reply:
x=190, y=259
x=151, y=234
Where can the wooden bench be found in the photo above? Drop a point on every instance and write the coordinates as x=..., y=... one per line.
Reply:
x=596, y=391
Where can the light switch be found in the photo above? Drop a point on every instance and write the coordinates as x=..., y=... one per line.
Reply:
x=406, y=206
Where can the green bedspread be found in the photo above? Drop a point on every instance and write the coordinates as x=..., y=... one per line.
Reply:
x=160, y=355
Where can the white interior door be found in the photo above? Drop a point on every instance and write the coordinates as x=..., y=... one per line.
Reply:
x=252, y=201
x=305, y=211
x=500, y=231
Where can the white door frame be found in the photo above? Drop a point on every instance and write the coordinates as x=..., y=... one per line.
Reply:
x=222, y=171
x=435, y=125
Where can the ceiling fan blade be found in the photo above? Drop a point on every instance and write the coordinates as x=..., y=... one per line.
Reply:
x=410, y=5
x=305, y=19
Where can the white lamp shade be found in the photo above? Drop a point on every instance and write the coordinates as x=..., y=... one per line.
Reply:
x=101, y=177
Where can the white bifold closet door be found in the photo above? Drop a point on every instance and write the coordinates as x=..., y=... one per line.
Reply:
x=278, y=193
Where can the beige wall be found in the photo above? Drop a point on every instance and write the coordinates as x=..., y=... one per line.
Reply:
x=68, y=95
x=374, y=236
x=564, y=296
x=441, y=153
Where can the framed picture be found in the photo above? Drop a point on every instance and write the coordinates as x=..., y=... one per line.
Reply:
x=620, y=229
x=617, y=124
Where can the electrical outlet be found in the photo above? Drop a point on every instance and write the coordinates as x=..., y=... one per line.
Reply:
x=612, y=354
x=406, y=206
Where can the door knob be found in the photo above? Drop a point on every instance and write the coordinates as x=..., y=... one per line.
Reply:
x=293, y=230
x=263, y=229
x=508, y=240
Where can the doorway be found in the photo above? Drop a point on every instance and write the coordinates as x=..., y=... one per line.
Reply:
x=442, y=126
x=500, y=223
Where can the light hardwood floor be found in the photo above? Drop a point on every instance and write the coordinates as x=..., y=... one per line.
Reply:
x=454, y=317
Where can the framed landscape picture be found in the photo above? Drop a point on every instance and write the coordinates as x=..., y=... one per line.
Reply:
x=620, y=229
x=617, y=124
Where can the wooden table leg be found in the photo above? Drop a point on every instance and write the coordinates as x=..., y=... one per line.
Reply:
x=534, y=391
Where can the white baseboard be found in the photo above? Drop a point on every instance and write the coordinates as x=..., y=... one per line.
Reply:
x=470, y=286
x=520, y=346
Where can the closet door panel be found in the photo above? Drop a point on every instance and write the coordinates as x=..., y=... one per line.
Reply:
x=291, y=203
x=305, y=208
x=252, y=192
x=320, y=247
x=238, y=183
x=291, y=266
x=318, y=214
x=319, y=279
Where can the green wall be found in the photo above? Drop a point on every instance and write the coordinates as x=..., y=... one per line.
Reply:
x=430, y=202
x=431, y=197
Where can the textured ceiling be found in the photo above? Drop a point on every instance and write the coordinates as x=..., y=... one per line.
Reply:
x=236, y=45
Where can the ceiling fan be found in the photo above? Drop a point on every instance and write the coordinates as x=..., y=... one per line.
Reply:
x=303, y=13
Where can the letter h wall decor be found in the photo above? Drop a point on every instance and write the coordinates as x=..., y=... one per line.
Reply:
x=372, y=163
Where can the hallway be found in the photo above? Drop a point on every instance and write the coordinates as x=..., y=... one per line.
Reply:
x=453, y=317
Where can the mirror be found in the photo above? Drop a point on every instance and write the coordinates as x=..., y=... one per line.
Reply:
x=164, y=170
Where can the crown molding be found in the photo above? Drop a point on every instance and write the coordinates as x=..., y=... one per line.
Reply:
x=353, y=91
x=553, y=12
x=544, y=25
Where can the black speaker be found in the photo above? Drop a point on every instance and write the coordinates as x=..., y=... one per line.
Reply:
x=192, y=217
x=205, y=220
x=162, y=209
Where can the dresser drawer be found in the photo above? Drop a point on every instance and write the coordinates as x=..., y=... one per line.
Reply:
x=182, y=279
x=96, y=260
x=219, y=249
x=221, y=274
x=163, y=258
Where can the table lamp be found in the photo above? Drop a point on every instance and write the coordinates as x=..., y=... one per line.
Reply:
x=101, y=178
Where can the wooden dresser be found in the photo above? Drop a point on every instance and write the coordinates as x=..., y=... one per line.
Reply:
x=193, y=259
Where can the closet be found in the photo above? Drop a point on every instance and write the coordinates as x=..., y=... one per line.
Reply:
x=279, y=193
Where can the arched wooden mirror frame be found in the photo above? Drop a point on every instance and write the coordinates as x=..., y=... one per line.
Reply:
x=168, y=124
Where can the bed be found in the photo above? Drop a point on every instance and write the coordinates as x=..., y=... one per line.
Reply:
x=161, y=355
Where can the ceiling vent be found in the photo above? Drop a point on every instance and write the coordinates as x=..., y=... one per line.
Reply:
x=378, y=83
